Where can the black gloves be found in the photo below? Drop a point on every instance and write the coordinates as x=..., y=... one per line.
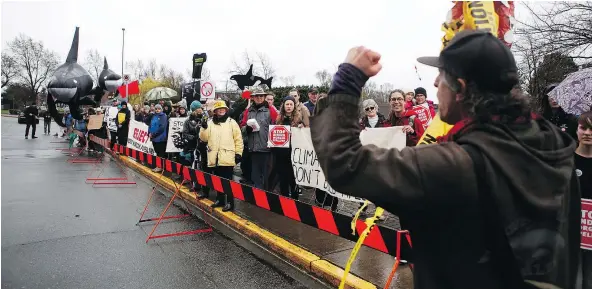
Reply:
x=237, y=158
x=249, y=129
x=204, y=124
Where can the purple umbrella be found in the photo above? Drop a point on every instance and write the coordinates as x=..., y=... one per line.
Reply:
x=574, y=93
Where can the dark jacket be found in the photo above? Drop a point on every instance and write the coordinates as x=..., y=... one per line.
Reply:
x=31, y=112
x=565, y=121
x=46, y=116
x=191, y=131
x=125, y=123
x=257, y=140
x=382, y=122
x=158, y=127
x=434, y=189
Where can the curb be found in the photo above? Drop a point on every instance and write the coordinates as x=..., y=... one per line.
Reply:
x=10, y=115
x=296, y=255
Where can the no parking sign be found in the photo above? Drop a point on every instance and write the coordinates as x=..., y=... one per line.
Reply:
x=207, y=91
x=279, y=136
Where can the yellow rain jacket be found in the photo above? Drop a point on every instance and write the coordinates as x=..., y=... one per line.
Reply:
x=224, y=142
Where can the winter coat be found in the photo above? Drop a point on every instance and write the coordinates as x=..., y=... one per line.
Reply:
x=68, y=120
x=527, y=168
x=191, y=129
x=30, y=113
x=224, y=142
x=123, y=118
x=568, y=123
x=305, y=114
x=158, y=125
x=257, y=140
x=408, y=118
x=382, y=122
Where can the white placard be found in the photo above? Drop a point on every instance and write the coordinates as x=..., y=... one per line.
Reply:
x=279, y=136
x=305, y=164
x=175, y=128
x=207, y=90
x=110, y=115
x=138, y=137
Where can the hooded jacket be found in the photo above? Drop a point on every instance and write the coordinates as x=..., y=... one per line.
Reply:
x=529, y=170
x=224, y=142
x=158, y=127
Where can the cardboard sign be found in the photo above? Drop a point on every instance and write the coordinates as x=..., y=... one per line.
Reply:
x=175, y=129
x=307, y=169
x=586, y=224
x=279, y=136
x=138, y=137
x=207, y=91
x=95, y=122
x=423, y=114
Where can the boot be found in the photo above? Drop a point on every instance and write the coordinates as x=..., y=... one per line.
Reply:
x=228, y=207
x=229, y=202
x=204, y=193
x=219, y=201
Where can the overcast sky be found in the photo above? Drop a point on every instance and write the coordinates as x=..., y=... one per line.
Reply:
x=300, y=37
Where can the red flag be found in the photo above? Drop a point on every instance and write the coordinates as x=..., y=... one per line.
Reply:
x=132, y=88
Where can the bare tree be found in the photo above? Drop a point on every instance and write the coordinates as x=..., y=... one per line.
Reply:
x=138, y=71
x=563, y=27
x=35, y=63
x=151, y=69
x=369, y=90
x=384, y=92
x=267, y=69
x=325, y=78
x=288, y=80
x=94, y=64
x=9, y=69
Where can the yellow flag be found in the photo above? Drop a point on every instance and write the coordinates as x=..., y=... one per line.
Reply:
x=436, y=129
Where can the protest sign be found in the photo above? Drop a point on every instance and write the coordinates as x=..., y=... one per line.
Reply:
x=279, y=136
x=423, y=114
x=586, y=224
x=138, y=137
x=110, y=115
x=305, y=164
x=174, y=134
x=95, y=122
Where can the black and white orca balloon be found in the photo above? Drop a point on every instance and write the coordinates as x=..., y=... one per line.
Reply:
x=108, y=79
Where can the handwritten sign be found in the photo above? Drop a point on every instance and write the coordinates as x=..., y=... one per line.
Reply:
x=110, y=116
x=586, y=224
x=138, y=137
x=307, y=169
x=279, y=136
x=174, y=135
x=95, y=122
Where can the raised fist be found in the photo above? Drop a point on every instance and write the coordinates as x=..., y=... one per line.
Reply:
x=364, y=59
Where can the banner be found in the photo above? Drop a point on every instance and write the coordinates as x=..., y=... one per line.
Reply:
x=174, y=135
x=305, y=164
x=110, y=116
x=586, y=224
x=279, y=136
x=138, y=137
x=95, y=122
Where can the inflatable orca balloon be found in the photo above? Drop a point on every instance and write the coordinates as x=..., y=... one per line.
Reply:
x=249, y=79
x=70, y=84
x=108, y=79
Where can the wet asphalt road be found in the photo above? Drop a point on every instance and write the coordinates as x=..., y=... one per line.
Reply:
x=58, y=232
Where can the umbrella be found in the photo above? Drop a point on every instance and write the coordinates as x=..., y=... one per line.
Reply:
x=574, y=93
x=160, y=93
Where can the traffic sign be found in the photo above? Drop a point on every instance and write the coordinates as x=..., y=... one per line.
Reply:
x=279, y=136
x=126, y=77
x=207, y=90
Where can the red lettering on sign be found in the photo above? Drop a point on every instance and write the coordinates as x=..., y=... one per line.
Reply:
x=586, y=226
x=279, y=136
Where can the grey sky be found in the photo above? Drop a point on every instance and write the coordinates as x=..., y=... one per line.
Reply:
x=300, y=37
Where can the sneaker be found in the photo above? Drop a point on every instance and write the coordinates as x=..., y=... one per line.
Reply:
x=34, y=137
x=156, y=170
x=26, y=137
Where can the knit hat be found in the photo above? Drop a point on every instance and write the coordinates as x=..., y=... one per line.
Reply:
x=369, y=103
x=146, y=107
x=123, y=103
x=289, y=97
x=421, y=90
x=195, y=105
x=158, y=106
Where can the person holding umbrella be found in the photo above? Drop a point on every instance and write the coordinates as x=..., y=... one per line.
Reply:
x=553, y=112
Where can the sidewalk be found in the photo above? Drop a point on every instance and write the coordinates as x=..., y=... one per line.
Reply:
x=319, y=253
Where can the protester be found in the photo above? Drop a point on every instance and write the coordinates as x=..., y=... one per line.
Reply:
x=31, y=115
x=158, y=133
x=373, y=118
x=421, y=99
x=146, y=115
x=300, y=107
x=270, y=98
x=140, y=114
x=122, y=122
x=166, y=109
x=260, y=116
x=399, y=116
x=282, y=156
x=47, y=122
x=556, y=115
x=113, y=130
x=312, y=100
x=182, y=112
x=583, y=163
x=409, y=99
x=68, y=121
x=225, y=147
x=96, y=132
x=501, y=181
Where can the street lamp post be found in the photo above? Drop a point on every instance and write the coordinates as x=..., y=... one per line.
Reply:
x=122, y=48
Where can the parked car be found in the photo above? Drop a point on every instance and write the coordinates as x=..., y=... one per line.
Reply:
x=22, y=120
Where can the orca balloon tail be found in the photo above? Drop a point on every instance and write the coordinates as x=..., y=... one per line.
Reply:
x=75, y=111
x=53, y=111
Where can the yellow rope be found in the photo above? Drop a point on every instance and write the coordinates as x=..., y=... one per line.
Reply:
x=369, y=225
